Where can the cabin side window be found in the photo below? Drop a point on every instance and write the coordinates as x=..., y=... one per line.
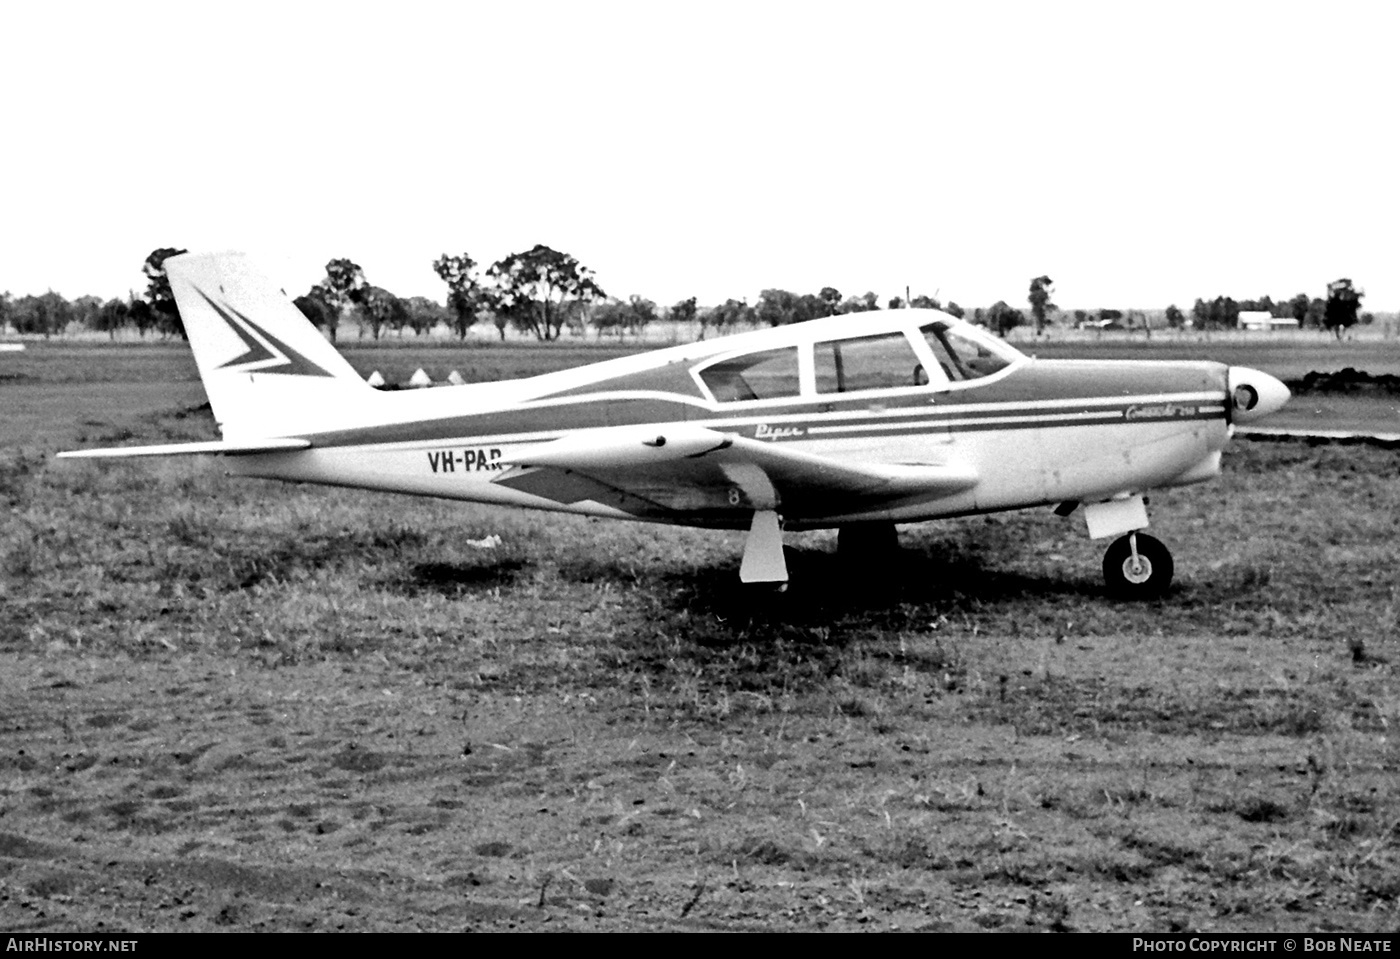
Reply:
x=767, y=375
x=880, y=362
x=962, y=357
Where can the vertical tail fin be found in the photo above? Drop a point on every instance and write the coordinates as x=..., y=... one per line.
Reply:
x=268, y=372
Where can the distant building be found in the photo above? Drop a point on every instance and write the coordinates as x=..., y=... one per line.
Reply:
x=1265, y=321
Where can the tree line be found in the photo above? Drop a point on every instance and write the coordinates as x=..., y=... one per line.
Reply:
x=1340, y=311
x=544, y=293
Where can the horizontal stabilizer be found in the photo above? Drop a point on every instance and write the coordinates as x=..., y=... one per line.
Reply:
x=217, y=447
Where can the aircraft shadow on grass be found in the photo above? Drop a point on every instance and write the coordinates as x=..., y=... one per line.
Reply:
x=828, y=585
x=455, y=580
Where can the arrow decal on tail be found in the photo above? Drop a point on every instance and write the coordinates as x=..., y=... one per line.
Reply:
x=265, y=353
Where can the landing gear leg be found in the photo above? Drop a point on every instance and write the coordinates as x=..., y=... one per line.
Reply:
x=763, y=551
x=1137, y=566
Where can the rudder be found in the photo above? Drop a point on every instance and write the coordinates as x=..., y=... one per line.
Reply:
x=266, y=369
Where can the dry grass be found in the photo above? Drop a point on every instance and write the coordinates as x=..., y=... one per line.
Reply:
x=233, y=704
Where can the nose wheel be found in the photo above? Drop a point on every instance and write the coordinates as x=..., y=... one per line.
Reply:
x=1137, y=566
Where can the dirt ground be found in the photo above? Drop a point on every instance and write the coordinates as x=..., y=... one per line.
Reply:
x=192, y=794
x=188, y=793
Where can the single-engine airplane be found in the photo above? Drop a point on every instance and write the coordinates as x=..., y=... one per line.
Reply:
x=854, y=422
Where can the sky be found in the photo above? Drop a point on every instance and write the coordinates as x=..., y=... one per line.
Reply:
x=1138, y=154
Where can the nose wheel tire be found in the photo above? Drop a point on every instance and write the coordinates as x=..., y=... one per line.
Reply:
x=1137, y=567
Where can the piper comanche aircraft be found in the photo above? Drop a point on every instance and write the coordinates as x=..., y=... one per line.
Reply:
x=855, y=422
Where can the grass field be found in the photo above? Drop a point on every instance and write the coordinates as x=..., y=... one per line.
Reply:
x=231, y=704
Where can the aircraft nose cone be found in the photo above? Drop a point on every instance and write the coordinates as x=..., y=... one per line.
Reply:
x=1254, y=395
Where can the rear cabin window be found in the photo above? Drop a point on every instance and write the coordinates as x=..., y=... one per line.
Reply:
x=868, y=363
x=962, y=357
x=771, y=374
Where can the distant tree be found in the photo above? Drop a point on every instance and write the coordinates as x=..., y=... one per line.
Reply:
x=1223, y=312
x=895, y=303
x=424, y=314
x=633, y=316
x=111, y=317
x=728, y=315
x=158, y=293
x=1040, y=300
x=683, y=312
x=1298, y=308
x=1265, y=304
x=1200, y=314
x=1317, y=312
x=47, y=314
x=610, y=316
x=1229, y=311
x=344, y=283
x=831, y=300
x=642, y=313
x=860, y=304
x=952, y=309
x=24, y=315
x=340, y=289
x=5, y=299
x=85, y=310
x=464, y=294
x=532, y=288
x=381, y=309
x=142, y=317
x=1002, y=318
x=1343, y=303
x=314, y=307
x=922, y=302
x=33, y=315
x=780, y=307
x=775, y=307
x=1175, y=318
x=335, y=305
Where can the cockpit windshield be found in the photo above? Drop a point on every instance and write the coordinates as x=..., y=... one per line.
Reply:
x=967, y=353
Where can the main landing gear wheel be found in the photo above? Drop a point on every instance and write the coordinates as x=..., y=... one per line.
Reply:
x=1137, y=567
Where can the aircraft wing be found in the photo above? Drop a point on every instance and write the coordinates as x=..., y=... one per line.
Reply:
x=686, y=468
